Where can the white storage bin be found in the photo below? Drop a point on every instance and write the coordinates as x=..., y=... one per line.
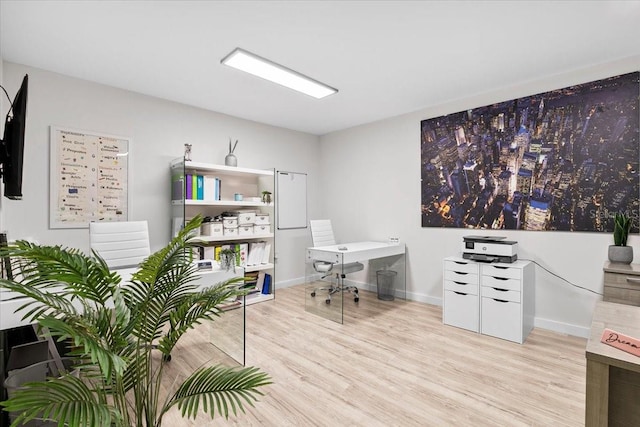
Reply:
x=260, y=230
x=230, y=232
x=245, y=230
x=262, y=219
x=211, y=229
x=246, y=218
x=230, y=222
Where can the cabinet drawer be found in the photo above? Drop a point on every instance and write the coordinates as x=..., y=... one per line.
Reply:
x=501, y=319
x=502, y=283
x=459, y=277
x=501, y=294
x=500, y=271
x=622, y=280
x=461, y=310
x=621, y=295
x=461, y=266
x=465, y=288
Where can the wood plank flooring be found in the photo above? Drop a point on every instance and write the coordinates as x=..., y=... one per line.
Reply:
x=393, y=363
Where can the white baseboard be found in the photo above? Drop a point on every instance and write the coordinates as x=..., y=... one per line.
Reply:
x=562, y=328
x=550, y=325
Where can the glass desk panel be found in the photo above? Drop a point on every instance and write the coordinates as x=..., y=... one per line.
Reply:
x=380, y=261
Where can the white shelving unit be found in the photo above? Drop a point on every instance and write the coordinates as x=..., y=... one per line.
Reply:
x=248, y=182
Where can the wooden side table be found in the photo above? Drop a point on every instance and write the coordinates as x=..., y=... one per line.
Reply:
x=622, y=283
x=613, y=376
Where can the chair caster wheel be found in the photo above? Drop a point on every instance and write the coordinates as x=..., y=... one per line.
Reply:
x=355, y=291
x=356, y=299
x=328, y=301
x=166, y=357
x=313, y=294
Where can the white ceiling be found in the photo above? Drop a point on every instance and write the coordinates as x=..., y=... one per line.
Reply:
x=386, y=57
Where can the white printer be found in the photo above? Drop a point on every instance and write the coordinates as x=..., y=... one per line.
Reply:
x=489, y=249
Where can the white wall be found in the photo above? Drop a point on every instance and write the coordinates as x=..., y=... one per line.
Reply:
x=159, y=130
x=373, y=175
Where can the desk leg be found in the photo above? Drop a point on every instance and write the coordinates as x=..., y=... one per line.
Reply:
x=597, y=400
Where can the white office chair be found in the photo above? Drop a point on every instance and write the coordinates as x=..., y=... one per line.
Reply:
x=121, y=244
x=322, y=235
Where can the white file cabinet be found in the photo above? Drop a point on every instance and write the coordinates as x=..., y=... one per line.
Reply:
x=507, y=298
x=461, y=306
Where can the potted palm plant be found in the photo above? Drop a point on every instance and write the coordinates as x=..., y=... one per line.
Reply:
x=119, y=334
x=619, y=252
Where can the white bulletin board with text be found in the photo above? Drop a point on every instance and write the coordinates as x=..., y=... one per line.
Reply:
x=89, y=178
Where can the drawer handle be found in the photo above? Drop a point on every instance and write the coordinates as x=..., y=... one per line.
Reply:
x=500, y=300
x=460, y=272
x=459, y=293
x=460, y=262
x=460, y=283
x=498, y=266
x=633, y=280
x=500, y=289
x=500, y=278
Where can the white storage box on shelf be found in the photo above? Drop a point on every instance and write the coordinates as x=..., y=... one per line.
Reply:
x=261, y=230
x=213, y=229
x=262, y=219
x=230, y=222
x=245, y=230
x=246, y=218
x=230, y=232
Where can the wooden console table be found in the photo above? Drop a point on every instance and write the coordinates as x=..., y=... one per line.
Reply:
x=613, y=376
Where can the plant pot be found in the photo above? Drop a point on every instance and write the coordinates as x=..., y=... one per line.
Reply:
x=621, y=254
x=231, y=160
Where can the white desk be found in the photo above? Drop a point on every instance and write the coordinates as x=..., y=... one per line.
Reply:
x=379, y=255
x=356, y=251
x=9, y=318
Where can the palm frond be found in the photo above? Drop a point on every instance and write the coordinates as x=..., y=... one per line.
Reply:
x=196, y=307
x=66, y=400
x=218, y=389
x=84, y=335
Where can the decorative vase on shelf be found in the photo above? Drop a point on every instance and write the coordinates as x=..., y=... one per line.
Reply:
x=231, y=159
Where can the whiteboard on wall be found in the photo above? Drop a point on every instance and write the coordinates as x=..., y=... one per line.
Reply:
x=291, y=200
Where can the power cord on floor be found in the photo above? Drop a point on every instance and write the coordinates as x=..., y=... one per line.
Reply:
x=562, y=278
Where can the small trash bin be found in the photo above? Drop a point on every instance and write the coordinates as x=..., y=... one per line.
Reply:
x=385, y=280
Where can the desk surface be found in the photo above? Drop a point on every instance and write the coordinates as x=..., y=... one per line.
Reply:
x=621, y=318
x=355, y=251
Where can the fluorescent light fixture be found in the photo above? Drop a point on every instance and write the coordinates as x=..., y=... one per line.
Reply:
x=253, y=64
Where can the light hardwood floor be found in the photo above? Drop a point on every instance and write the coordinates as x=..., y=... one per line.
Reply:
x=395, y=364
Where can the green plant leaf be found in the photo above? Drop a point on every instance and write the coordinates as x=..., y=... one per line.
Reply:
x=218, y=389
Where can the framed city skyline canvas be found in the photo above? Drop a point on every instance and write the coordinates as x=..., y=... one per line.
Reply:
x=565, y=160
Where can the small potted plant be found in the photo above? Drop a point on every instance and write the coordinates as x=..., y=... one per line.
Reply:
x=266, y=197
x=619, y=252
x=228, y=259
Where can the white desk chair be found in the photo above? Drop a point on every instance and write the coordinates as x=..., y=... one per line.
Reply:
x=322, y=235
x=123, y=244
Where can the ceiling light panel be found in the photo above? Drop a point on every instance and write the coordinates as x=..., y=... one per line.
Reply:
x=268, y=70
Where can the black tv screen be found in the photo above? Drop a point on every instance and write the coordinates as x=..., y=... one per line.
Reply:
x=12, y=149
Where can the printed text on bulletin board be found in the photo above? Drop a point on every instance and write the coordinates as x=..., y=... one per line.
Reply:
x=89, y=178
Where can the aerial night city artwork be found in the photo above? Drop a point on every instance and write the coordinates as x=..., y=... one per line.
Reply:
x=562, y=160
